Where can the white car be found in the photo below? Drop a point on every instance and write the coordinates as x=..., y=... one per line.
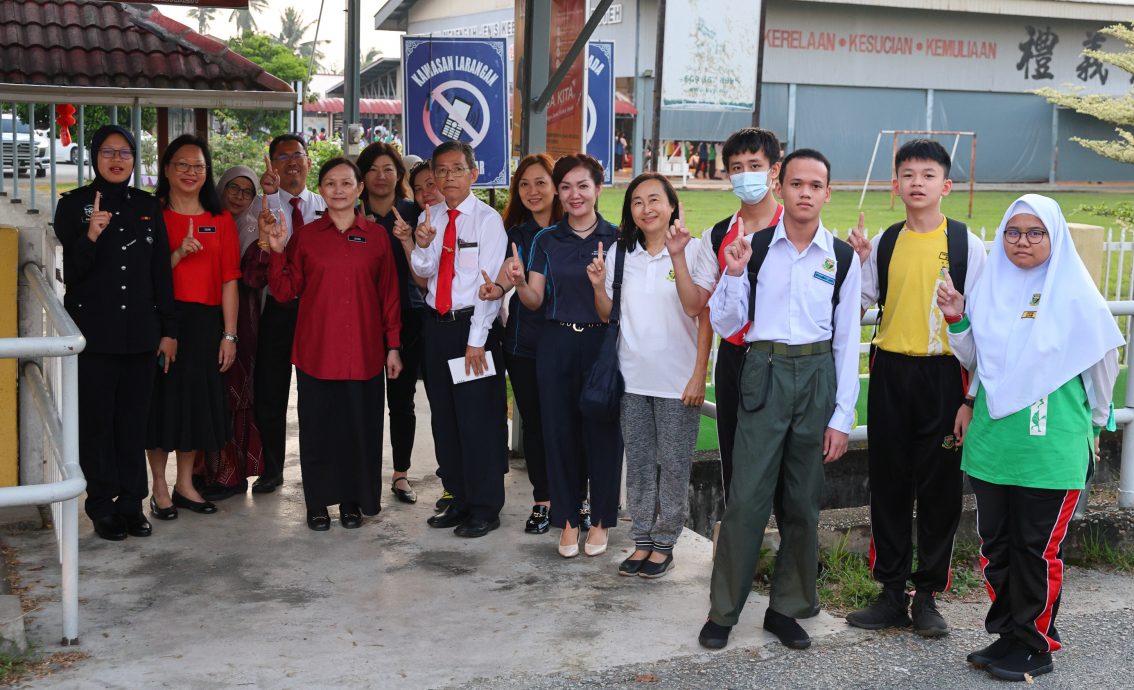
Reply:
x=63, y=154
x=19, y=137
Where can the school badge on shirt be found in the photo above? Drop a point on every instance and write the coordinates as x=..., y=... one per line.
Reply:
x=1037, y=418
x=1035, y=299
x=671, y=277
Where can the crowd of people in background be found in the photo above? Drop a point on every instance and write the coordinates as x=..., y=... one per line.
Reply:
x=199, y=300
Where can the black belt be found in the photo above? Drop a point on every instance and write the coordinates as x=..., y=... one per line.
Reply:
x=580, y=327
x=786, y=350
x=452, y=314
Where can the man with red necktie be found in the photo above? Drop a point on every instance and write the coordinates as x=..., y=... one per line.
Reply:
x=469, y=419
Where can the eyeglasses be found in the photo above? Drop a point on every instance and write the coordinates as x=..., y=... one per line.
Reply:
x=183, y=167
x=1035, y=236
x=442, y=173
x=284, y=157
x=124, y=154
x=238, y=191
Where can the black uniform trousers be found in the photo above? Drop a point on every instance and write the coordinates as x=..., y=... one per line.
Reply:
x=400, y=391
x=114, y=408
x=912, y=406
x=469, y=420
x=272, y=379
x=577, y=449
x=1021, y=532
x=525, y=390
x=730, y=358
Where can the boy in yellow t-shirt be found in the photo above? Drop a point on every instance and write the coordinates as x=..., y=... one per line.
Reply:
x=916, y=389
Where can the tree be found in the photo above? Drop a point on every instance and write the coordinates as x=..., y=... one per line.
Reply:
x=1117, y=110
x=204, y=15
x=293, y=29
x=277, y=60
x=372, y=55
x=244, y=20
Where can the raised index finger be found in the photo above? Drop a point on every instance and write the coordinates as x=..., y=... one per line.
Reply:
x=681, y=212
x=396, y=214
x=948, y=279
x=97, y=201
x=267, y=163
x=190, y=227
x=861, y=221
x=487, y=279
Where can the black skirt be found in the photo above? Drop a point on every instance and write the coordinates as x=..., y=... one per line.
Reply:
x=189, y=410
x=340, y=441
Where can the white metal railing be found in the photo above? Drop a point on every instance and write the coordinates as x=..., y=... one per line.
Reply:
x=63, y=478
x=1123, y=417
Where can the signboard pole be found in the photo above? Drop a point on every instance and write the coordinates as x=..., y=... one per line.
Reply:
x=759, y=62
x=656, y=134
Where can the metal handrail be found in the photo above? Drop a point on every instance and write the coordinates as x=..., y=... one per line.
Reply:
x=60, y=420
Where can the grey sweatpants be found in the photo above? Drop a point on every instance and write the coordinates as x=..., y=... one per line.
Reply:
x=660, y=435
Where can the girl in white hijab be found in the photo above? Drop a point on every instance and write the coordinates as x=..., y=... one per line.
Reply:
x=1044, y=348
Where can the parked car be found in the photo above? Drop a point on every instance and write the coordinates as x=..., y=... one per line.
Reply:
x=17, y=137
x=63, y=154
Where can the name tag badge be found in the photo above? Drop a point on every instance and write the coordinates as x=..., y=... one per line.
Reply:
x=461, y=244
x=207, y=229
x=830, y=280
x=319, y=213
x=1028, y=315
x=356, y=238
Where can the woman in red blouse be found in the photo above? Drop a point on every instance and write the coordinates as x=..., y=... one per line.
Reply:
x=188, y=412
x=342, y=267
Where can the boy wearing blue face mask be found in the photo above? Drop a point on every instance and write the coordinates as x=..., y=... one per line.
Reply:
x=751, y=157
x=916, y=392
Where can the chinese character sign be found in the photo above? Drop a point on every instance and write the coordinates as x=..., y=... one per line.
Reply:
x=456, y=89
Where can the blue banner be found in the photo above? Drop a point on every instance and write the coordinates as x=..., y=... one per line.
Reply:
x=456, y=89
x=598, y=120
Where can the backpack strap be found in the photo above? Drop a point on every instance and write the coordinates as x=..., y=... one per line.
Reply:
x=884, y=252
x=619, y=261
x=844, y=254
x=717, y=234
x=957, y=239
x=760, y=243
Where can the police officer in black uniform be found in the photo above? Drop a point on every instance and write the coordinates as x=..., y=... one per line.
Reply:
x=120, y=294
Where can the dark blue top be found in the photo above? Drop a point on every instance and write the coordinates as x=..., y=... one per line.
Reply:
x=562, y=257
x=521, y=334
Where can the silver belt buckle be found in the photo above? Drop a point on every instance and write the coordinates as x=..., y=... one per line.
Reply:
x=577, y=328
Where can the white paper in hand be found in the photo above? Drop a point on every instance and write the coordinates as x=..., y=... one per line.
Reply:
x=457, y=369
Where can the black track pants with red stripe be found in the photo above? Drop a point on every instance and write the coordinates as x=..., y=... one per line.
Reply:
x=912, y=405
x=1021, y=532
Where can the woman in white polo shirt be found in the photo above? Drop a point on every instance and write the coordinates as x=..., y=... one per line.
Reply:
x=663, y=354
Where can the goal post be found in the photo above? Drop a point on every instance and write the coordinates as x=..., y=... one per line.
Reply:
x=896, y=135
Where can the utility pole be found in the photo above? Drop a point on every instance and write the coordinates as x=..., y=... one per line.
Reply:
x=759, y=63
x=351, y=70
x=658, y=53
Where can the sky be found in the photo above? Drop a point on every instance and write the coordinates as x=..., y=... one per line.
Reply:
x=333, y=26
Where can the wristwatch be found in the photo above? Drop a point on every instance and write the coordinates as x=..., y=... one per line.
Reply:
x=231, y=337
x=968, y=402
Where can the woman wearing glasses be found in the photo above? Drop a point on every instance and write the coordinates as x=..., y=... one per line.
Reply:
x=1045, y=349
x=120, y=294
x=188, y=414
x=226, y=472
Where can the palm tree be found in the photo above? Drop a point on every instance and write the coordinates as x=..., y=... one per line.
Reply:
x=204, y=15
x=293, y=29
x=244, y=20
x=305, y=49
x=372, y=55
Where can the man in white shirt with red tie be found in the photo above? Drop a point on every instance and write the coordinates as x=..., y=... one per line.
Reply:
x=285, y=195
x=457, y=244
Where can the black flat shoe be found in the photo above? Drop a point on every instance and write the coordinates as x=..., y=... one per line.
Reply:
x=651, y=570
x=350, y=516
x=202, y=507
x=631, y=566
x=403, y=495
x=266, y=485
x=137, y=525
x=539, y=521
x=319, y=520
x=787, y=629
x=169, y=513
x=449, y=518
x=476, y=527
x=218, y=492
x=443, y=502
x=714, y=636
x=110, y=527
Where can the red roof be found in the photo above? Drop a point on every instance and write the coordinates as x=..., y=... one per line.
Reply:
x=623, y=105
x=366, y=106
x=110, y=44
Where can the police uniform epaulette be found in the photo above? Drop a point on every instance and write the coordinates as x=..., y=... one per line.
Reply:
x=143, y=193
x=69, y=192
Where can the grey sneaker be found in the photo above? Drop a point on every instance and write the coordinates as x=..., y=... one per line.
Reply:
x=927, y=621
x=889, y=610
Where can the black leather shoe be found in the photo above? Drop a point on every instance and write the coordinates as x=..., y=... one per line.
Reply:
x=202, y=507
x=651, y=570
x=631, y=566
x=137, y=525
x=319, y=520
x=449, y=518
x=714, y=636
x=218, y=492
x=169, y=513
x=476, y=527
x=539, y=521
x=402, y=494
x=266, y=485
x=790, y=633
x=443, y=502
x=350, y=516
x=110, y=527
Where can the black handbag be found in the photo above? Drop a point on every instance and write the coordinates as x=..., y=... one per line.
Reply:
x=601, y=397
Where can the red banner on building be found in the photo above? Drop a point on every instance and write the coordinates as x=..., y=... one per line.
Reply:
x=228, y=4
x=565, y=110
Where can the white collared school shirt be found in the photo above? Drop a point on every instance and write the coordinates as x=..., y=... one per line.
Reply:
x=793, y=306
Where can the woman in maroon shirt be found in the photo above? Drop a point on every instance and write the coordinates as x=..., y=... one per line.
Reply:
x=347, y=331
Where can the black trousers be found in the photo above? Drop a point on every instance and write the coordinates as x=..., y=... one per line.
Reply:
x=400, y=391
x=912, y=405
x=577, y=449
x=1021, y=532
x=727, y=381
x=272, y=380
x=525, y=391
x=469, y=420
x=114, y=408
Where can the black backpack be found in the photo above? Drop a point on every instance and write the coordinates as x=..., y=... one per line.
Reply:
x=957, y=241
x=762, y=240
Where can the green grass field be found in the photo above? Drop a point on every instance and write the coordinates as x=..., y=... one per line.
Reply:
x=703, y=208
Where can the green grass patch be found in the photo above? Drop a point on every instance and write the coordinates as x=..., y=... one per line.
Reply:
x=1097, y=552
